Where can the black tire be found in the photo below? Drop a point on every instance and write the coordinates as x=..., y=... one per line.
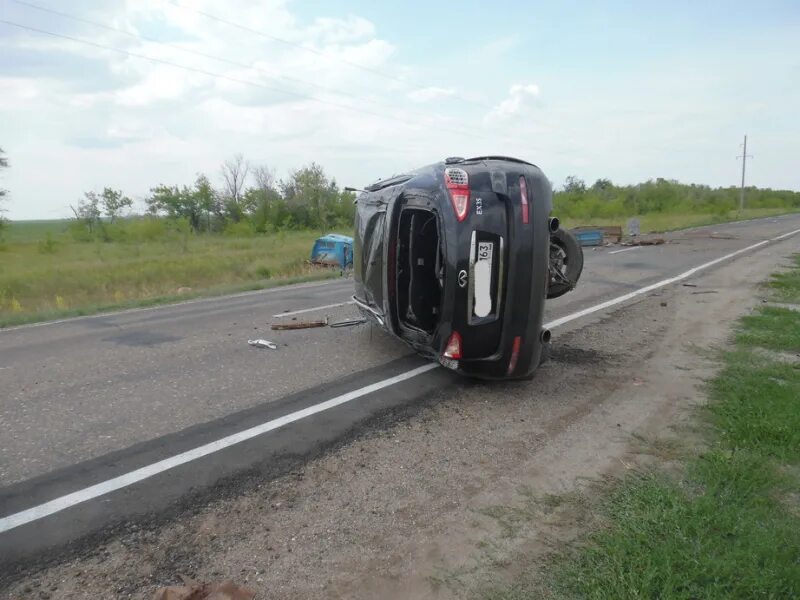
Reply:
x=573, y=262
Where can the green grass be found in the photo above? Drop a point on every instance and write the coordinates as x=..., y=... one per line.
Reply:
x=45, y=273
x=49, y=276
x=727, y=524
x=786, y=286
x=658, y=222
x=33, y=231
x=772, y=327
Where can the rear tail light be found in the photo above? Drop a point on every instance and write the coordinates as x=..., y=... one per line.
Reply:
x=523, y=196
x=512, y=363
x=457, y=182
x=453, y=348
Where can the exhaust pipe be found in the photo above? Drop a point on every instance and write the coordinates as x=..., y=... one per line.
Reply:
x=553, y=224
x=545, y=336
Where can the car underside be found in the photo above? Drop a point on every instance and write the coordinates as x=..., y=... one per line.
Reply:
x=457, y=258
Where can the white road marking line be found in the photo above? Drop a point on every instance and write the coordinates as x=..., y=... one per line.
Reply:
x=785, y=235
x=305, y=310
x=625, y=250
x=280, y=288
x=58, y=504
x=116, y=483
x=660, y=284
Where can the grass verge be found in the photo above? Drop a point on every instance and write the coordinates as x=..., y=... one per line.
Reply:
x=265, y=284
x=46, y=274
x=723, y=524
x=57, y=276
x=660, y=222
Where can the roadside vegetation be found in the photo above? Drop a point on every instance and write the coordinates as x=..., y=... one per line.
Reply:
x=253, y=230
x=724, y=522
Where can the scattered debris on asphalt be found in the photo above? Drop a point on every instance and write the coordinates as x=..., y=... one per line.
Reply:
x=689, y=285
x=263, y=344
x=300, y=325
x=348, y=323
x=652, y=242
x=706, y=292
x=192, y=590
x=595, y=235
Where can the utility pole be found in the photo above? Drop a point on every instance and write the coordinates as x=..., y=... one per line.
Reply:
x=744, y=158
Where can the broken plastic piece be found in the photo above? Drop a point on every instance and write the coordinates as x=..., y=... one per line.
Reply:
x=348, y=323
x=263, y=344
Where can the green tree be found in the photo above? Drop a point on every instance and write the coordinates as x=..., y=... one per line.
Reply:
x=261, y=201
x=113, y=203
x=88, y=212
x=206, y=198
x=310, y=188
x=234, y=176
x=574, y=185
x=176, y=203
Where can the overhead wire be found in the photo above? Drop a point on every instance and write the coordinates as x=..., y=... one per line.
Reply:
x=222, y=59
x=191, y=51
x=299, y=46
x=415, y=124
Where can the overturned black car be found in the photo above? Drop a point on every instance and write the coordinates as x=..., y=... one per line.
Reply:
x=457, y=258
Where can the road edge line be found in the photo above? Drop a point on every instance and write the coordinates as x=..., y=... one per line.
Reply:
x=110, y=485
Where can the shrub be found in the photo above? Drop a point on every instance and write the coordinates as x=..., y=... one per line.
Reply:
x=240, y=229
x=48, y=245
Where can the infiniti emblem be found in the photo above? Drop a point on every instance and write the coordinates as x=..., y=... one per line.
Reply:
x=462, y=278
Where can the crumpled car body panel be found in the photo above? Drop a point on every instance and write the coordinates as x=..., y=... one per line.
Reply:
x=519, y=267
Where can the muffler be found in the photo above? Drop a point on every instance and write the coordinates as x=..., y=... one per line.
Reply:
x=553, y=224
x=544, y=336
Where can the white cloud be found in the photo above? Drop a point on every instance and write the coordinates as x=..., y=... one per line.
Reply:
x=161, y=83
x=427, y=94
x=104, y=118
x=521, y=97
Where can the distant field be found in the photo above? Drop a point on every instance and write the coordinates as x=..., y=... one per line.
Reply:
x=655, y=222
x=33, y=231
x=43, y=277
x=45, y=273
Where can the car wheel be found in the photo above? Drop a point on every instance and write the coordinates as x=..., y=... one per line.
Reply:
x=566, y=263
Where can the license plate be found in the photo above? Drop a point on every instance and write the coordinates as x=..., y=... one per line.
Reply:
x=485, y=251
x=483, y=280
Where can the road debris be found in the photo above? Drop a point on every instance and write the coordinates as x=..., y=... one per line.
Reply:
x=192, y=590
x=689, y=285
x=651, y=242
x=706, y=292
x=348, y=323
x=260, y=343
x=300, y=325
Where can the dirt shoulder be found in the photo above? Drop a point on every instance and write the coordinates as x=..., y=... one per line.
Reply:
x=403, y=511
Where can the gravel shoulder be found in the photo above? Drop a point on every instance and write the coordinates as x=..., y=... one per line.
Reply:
x=400, y=507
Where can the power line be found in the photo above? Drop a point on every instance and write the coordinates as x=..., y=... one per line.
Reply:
x=286, y=42
x=237, y=79
x=74, y=17
x=79, y=19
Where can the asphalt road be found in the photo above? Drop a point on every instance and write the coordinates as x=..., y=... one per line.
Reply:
x=87, y=400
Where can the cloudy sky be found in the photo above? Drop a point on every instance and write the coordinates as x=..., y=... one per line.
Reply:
x=625, y=90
